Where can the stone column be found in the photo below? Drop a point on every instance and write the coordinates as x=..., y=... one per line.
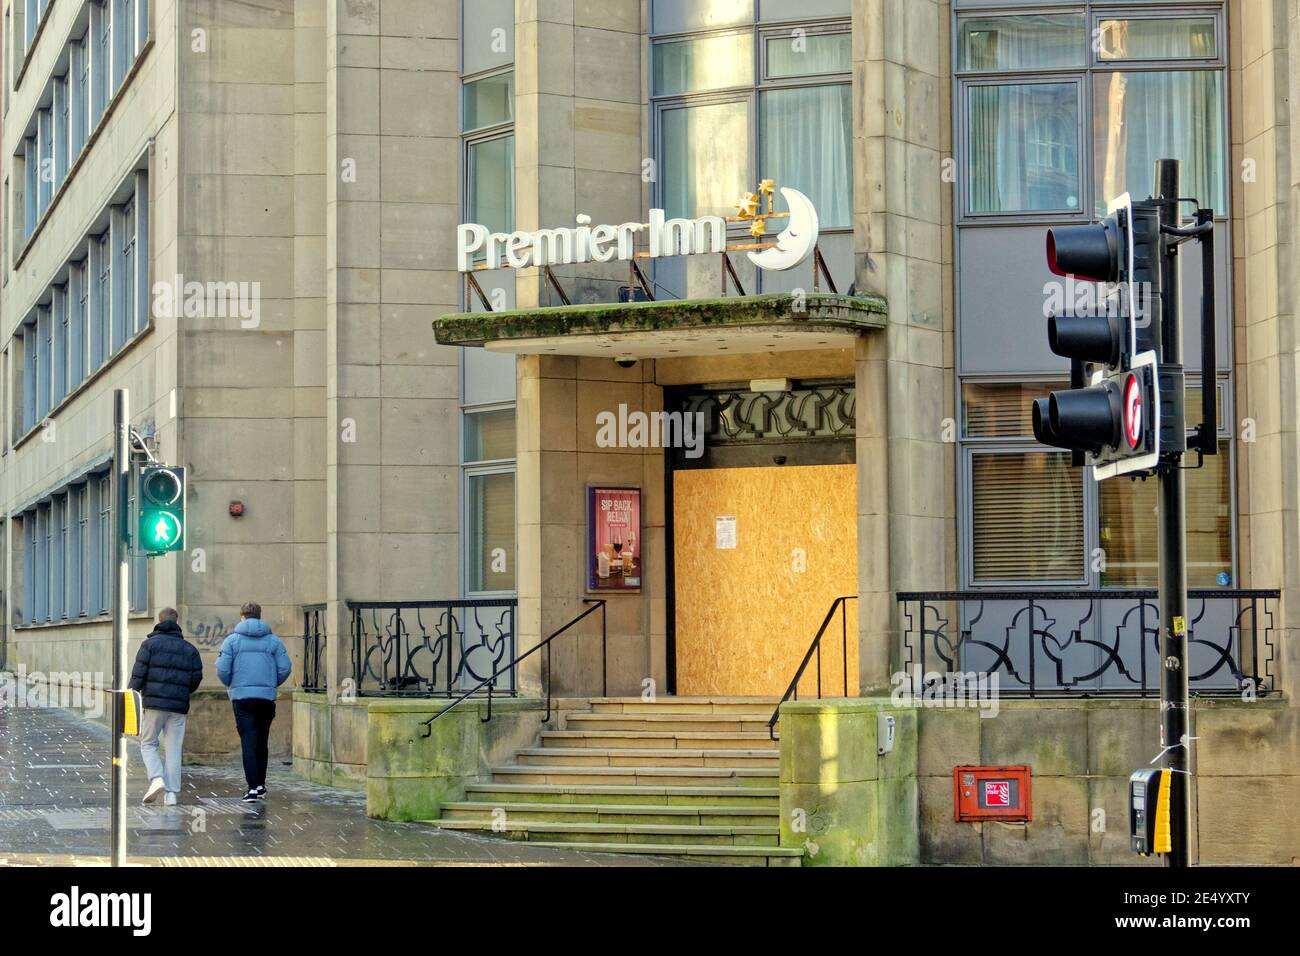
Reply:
x=391, y=394
x=1266, y=81
x=902, y=230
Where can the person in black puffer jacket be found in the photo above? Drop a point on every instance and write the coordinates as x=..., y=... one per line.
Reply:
x=168, y=669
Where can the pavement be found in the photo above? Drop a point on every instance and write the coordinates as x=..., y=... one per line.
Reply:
x=54, y=810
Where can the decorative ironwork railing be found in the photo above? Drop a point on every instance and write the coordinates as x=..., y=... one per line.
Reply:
x=827, y=411
x=431, y=648
x=1087, y=643
x=840, y=604
x=313, y=647
x=548, y=672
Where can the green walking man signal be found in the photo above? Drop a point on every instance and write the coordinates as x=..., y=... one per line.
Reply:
x=162, y=510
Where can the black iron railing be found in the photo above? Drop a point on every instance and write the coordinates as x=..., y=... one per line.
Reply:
x=431, y=648
x=489, y=683
x=814, y=653
x=1087, y=643
x=313, y=647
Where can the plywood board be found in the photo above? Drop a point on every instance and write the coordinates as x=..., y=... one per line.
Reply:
x=745, y=615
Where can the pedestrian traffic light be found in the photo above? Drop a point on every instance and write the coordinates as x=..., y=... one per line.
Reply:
x=1109, y=418
x=162, y=509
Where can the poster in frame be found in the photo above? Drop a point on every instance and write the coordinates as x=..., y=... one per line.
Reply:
x=614, y=539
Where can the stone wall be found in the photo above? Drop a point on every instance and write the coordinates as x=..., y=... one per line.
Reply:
x=1081, y=754
x=329, y=741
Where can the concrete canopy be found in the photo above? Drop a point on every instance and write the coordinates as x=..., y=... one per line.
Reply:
x=647, y=330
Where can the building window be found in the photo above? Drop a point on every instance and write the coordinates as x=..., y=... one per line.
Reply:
x=68, y=568
x=104, y=303
x=1034, y=519
x=737, y=98
x=488, y=126
x=789, y=85
x=78, y=97
x=489, y=466
x=1045, y=97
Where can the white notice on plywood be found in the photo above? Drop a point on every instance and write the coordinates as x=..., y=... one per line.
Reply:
x=724, y=533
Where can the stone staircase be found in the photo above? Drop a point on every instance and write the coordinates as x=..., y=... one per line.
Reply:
x=684, y=777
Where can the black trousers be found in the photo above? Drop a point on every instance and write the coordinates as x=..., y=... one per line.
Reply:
x=253, y=718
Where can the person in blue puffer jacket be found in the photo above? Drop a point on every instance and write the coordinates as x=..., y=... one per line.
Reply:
x=253, y=662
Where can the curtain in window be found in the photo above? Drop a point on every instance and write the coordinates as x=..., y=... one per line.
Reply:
x=806, y=136
x=1142, y=117
x=1027, y=42
x=706, y=158
x=1027, y=516
x=1023, y=147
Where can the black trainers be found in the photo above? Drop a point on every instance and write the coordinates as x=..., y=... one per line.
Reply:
x=260, y=790
x=251, y=797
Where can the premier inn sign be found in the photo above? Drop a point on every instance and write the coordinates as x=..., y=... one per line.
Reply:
x=478, y=248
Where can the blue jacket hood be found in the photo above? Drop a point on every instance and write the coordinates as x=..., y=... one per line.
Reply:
x=253, y=627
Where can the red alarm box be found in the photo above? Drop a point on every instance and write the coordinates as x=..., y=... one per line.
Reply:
x=991, y=793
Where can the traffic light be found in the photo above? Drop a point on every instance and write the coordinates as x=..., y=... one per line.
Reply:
x=162, y=509
x=1109, y=418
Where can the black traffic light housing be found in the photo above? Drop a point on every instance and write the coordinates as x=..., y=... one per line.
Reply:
x=1109, y=417
x=1091, y=252
x=161, y=497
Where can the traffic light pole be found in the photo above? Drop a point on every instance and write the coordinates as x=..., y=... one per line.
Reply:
x=121, y=592
x=1175, y=726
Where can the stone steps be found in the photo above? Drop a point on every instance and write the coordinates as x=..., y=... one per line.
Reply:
x=623, y=794
x=645, y=757
x=652, y=776
x=703, y=814
x=659, y=740
x=642, y=833
x=669, y=723
x=692, y=778
x=745, y=706
x=729, y=855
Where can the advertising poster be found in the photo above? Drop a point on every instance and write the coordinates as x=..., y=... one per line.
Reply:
x=614, y=539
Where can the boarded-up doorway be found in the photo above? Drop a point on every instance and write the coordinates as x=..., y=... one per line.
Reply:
x=747, y=607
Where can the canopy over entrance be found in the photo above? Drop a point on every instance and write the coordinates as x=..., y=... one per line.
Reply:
x=646, y=330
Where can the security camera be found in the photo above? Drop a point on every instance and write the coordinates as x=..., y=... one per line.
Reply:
x=625, y=361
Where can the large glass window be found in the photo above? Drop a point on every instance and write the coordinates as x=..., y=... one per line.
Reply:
x=716, y=62
x=491, y=531
x=1034, y=519
x=1022, y=42
x=1023, y=147
x=1139, y=117
x=1163, y=38
x=705, y=158
x=806, y=135
x=767, y=102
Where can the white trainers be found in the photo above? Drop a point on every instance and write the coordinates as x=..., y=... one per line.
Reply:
x=155, y=787
x=169, y=799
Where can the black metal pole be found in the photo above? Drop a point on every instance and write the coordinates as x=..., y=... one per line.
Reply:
x=121, y=593
x=1174, y=727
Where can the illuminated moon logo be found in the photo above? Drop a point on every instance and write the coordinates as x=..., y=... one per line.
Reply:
x=795, y=242
x=1132, y=412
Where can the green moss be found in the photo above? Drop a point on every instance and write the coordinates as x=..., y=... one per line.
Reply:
x=821, y=311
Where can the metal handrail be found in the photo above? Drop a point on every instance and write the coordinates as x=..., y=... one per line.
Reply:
x=490, y=681
x=314, y=639
x=816, y=648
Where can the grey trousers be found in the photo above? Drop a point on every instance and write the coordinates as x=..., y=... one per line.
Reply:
x=169, y=728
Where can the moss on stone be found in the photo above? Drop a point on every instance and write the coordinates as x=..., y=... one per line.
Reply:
x=822, y=311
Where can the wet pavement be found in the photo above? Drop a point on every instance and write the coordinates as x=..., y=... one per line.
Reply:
x=54, y=786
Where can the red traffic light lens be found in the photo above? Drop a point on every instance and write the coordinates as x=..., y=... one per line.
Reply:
x=1132, y=411
x=161, y=487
